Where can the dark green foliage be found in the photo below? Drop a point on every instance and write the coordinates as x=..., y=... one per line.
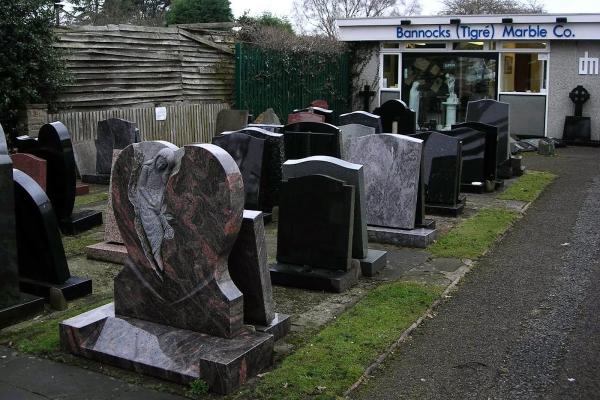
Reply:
x=137, y=12
x=265, y=19
x=289, y=79
x=194, y=11
x=31, y=70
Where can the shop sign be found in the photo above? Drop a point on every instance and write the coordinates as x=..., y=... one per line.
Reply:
x=487, y=32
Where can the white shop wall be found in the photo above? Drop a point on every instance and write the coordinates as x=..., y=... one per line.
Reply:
x=563, y=77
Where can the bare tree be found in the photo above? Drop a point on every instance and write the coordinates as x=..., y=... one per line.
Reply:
x=318, y=16
x=471, y=7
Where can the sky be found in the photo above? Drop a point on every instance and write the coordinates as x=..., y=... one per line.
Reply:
x=283, y=8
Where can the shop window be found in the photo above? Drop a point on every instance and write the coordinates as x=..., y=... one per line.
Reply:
x=390, y=71
x=467, y=45
x=390, y=45
x=430, y=82
x=523, y=72
x=425, y=45
x=524, y=45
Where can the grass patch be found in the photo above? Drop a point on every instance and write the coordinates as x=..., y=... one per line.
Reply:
x=528, y=187
x=75, y=245
x=41, y=338
x=472, y=237
x=337, y=356
x=91, y=198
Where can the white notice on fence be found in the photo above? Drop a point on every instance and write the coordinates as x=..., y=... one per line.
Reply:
x=161, y=113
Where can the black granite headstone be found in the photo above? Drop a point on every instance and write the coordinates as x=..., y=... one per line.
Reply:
x=113, y=133
x=274, y=156
x=316, y=215
x=14, y=306
x=491, y=146
x=396, y=117
x=495, y=113
x=577, y=128
x=267, y=127
x=248, y=153
x=473, y=155
x=362, y=118
x=305, y=139
x=54, y=146
x=42, y=261
x=442, y=170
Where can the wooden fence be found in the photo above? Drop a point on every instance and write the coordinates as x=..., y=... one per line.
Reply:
x=184, y=123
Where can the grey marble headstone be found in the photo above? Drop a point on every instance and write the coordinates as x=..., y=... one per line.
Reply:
x=349, y=173
x=391, y=166
x=231, y=120
x=85, y=157
x=363, y=118
x=496, y=113
x=350, y=132
x=267, y=117
x=113, y=133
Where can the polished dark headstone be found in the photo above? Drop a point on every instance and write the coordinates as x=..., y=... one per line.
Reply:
x=14, y=305
x=305, y=139
x=179, y=211
x=231, y=120
x=442, y=158
x=495, y=113
x=578, y=129
x=350, y=174
x=267, y=127
x=113, y=133
x=396, y=117
x=54, y=145
x=42, y=261
x=274, y=156
x=473, y=157
x=316, y=214
x=250, y=273
x=248, y=153
x=362, y=118
x=491, y=146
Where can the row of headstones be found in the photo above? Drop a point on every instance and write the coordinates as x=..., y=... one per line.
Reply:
x=33, y=265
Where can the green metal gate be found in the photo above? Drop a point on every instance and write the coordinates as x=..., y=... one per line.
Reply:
x=286, y=81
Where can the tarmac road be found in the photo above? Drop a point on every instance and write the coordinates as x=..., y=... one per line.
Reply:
x=525, y=322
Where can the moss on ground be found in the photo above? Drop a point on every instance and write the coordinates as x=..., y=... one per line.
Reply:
x=528, y=187
x=75, y=245
x=95, y=197
x=472, y=237
x=338, y=355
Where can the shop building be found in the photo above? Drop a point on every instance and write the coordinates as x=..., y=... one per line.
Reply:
x=531, y=62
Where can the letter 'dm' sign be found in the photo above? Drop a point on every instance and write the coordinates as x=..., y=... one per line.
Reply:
x=588, y=65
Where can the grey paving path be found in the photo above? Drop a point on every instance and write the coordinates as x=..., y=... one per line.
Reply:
x=524, y=324
x=30, y=378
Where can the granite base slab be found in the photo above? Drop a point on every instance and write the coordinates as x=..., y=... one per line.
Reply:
x=81, y=222
x=28, y=307
x=427, y=224
x=96, y=179
x=81, y=189
x=267, y=217
x=305, y=277
x=374, y=262
x=588, y=143
x=107, y=251
x=498, y=184
x=418, y=237
x=475, y=187
x=165, y=352
x=74, y=288
x=453, y=210
x=279, y=327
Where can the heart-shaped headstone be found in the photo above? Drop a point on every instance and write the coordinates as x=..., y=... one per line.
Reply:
x=179, y=211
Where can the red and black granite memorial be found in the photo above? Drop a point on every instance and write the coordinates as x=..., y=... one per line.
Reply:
x=14, y=304
x=53, y=144
x=177, y=314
